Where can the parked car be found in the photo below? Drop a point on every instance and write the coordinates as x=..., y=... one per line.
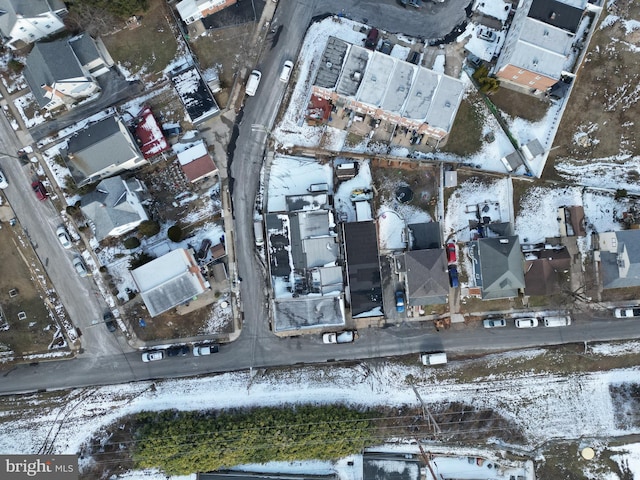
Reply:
x=78, y=264
x=414, y=57
x=3, y=180
x=63, y=236
x=347, y=336
x=178, y=351
x=287, y=68
x=386, y=47
x=253, y=82
x=451, y=252
x=200, y=350
x=494, y=323
x=39, y=190
x=152, y=356
x=109, y=321
x=453, y=276
x=557, y=321
x=372, y=39
x=627, y=312
x=399, y=301
x=203, y=251
x=526, y=322
x=438, y=358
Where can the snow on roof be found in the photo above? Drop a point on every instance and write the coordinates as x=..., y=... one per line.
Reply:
x=195, y=95
x=168, y=281
x=152, y=140
x=193, y=152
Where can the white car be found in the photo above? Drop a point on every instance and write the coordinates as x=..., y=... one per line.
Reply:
x=526, y=322
x=286, y=71
x=200, y=350
x=152, y=356
x=627, y=312
x=494, y=323
x=347, y=336
x=3, y=180
x=63, y=236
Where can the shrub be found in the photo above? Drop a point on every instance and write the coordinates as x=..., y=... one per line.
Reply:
x=131, y=243
x=621, y=193
x=149, y=228
x=175, y=233
x=139, y=260
x=15, y=66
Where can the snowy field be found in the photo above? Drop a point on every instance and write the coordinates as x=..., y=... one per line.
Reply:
x=543, y=406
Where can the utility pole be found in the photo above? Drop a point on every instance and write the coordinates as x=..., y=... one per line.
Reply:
x=425, y=457
x=426, y=414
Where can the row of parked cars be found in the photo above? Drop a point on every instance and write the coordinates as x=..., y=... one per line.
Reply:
x=529, y=322
x=179, y=351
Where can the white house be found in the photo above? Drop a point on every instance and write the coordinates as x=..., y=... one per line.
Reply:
x=193, y=10
x=27, y=21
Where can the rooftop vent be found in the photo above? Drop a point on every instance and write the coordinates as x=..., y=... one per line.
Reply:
x=504, y=240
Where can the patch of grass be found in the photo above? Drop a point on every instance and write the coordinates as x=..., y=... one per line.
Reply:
x=518, y=104
x=465, y=138
x=353, y=139
x=149, y=48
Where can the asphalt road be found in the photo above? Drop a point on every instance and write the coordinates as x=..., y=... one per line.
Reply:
x=108, y=362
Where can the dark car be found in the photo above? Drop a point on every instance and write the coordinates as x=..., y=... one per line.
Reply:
x=372, y=39
x=204, y=249
x=453, y=276
x=39, y=190
x=414, y=57
x=109, y=321
x=386, y=47
x=178, y=351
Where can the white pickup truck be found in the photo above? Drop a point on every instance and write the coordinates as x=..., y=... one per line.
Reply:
x=347, y=336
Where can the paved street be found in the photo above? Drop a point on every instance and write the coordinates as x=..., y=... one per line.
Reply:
x=108, y=360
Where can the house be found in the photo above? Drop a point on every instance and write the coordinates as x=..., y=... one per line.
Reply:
x=544, y=275
x=542, y=44
x=193, y=10
x=114, y=207
x=64, y=72
x=426, y=277
x=196, y=163
x=387, y=89
x=169, y=280
x=363, y=268
x=195, y=95
x=425, y=235
x=102, y=149
x=618, y=258
x=149, y=135
x=571, y=221
x=498, y=267
x=27, y=21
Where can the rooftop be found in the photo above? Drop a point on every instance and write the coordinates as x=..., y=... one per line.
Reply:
x=363, y=268
x=195, y=95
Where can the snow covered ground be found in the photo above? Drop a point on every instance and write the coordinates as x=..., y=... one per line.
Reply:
x=543, y=406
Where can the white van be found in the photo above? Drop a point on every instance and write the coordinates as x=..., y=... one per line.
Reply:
x=560, y=321
x=253, y=82
x=439, y=358
x=257, y=230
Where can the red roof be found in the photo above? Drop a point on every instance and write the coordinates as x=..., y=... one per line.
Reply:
x=150, y=137
x=199, y=168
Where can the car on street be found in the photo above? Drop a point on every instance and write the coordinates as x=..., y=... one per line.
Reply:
x=3, y=180
x=39, y=190
x=109, y=321
x=526, y=322
x=399, y=301
x=200, y=350
x=78, y=264
x=347, y=336
x=63, y=236
x=178, y=351
x=451, y=252
x=453, y=276
x=494, y=323
x=627, y=312
x=287, y=67
x=152, y=356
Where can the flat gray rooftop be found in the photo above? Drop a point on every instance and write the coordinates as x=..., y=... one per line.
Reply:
x=400, y=86
x=376, y=79
x=307, y=312
x=331, y=63
x=353, y=71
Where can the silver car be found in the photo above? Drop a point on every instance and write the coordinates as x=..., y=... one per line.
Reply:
x=526, y=322
x=3, y=180
x=494, y=323
x=152, y=356
x=63, y=236
x=78, y=264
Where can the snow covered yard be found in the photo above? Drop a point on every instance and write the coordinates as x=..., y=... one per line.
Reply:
x=542, y=405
